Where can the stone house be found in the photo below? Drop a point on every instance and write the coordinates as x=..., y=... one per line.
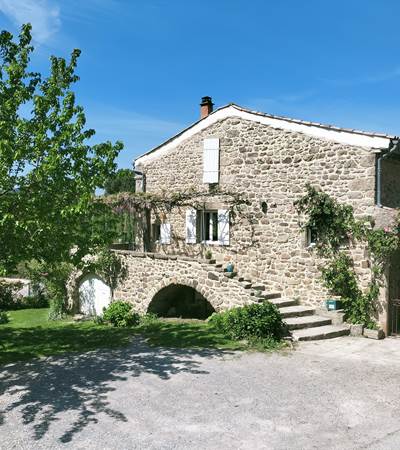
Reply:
x=244, y=170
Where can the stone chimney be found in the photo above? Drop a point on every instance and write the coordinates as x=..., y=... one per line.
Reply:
x=206, y=107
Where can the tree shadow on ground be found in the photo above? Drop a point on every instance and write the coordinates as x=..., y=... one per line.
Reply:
x=80, y=383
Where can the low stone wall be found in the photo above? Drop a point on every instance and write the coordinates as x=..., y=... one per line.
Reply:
x=148, y=273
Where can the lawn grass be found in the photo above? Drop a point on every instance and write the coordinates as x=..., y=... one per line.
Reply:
x=29, y=334
x=187, y=334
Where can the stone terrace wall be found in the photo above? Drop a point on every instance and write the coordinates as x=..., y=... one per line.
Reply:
x=148, y=273
x=273, y=166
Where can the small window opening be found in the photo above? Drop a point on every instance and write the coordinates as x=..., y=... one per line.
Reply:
x=311, y=237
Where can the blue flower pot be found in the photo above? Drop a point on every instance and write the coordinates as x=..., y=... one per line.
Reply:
x=229, y=267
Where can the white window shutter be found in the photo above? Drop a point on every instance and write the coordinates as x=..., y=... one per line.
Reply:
x=165, y=233
x=211, y=160
x=223, y=226
x=191, y=219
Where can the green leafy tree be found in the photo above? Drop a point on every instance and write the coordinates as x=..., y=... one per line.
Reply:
x=48, y=170
x=122, y=181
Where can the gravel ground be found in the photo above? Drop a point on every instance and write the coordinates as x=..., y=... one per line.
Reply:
x=338, y=394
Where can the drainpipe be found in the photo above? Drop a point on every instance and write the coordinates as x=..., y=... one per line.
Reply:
x=394, y=145
x=379, y=181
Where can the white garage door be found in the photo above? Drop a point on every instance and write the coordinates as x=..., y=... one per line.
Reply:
x=94, y=295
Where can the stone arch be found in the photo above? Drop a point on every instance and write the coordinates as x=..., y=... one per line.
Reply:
x=210, y=296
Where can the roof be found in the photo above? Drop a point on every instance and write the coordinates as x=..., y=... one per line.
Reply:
x=349, y=136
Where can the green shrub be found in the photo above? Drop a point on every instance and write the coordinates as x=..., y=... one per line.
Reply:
x=9, y=300
x=38, y=300
x=8, y=295
x=4, y=317
x=255, y=321
x=120, y=314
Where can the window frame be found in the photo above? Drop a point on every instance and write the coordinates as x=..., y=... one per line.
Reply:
x=212, y=226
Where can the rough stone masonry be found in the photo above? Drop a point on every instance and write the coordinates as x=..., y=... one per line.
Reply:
x=270, y=167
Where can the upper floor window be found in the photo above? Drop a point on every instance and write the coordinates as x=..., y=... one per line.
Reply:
x=211, y=160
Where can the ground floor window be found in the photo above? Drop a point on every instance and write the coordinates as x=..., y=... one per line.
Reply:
x=207, y=226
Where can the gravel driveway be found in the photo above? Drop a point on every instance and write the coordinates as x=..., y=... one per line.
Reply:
x=338, y=394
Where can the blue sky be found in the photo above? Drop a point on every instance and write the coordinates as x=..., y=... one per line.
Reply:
x=146, y=64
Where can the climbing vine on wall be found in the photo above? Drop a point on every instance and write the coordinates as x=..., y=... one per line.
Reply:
x=337, y=228
x=164, y=202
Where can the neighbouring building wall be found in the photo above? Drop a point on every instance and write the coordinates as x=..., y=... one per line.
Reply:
x=271, y=167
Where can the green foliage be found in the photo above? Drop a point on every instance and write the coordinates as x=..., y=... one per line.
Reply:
x=255, y=321
x=122, y=181
x=4, y=317
x=18, y=302
x=110, y=267
x=57, y=308
x=335, y=224
x=339, y=276
x=54, y=278
x=208, y=254
x=38, y=300
x=8, y=297
x=333, y=221
x=120, y=314
x=48, y=169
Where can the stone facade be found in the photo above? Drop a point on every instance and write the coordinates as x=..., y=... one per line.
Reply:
x=271, y=168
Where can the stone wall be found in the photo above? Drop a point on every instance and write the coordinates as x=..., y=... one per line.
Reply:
x=272, y=166
x=148, y=273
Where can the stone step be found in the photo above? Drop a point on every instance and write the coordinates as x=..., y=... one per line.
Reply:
x=259, y=287
x=241, y=279
x=324, y=332
x=282, y=302
x=230, y=274
x=296, y=323
x=270, y=295
x=246, y=284
x=296, y=311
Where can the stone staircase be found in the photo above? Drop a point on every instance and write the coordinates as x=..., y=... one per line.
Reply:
x=303, y=323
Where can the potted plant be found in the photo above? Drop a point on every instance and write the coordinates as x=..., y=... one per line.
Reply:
x=208, y=254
